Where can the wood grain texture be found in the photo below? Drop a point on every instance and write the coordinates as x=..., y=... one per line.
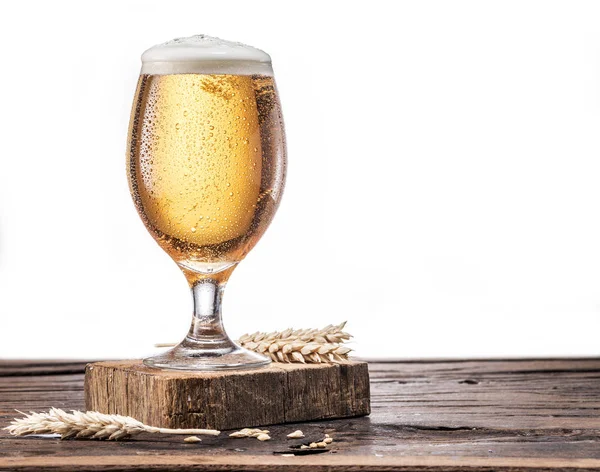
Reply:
x=279, y=393
x=517, y=415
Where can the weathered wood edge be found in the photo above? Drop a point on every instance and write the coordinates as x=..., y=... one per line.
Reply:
x=22, y=367
x=176, y=374
x=19, y=368
x=321, y=463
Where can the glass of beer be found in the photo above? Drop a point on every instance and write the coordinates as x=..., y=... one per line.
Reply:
x=206, y=167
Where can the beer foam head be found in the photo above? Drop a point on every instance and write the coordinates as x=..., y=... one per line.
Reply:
x=203, y=54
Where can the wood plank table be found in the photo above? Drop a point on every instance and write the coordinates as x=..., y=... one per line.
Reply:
x=489, y=415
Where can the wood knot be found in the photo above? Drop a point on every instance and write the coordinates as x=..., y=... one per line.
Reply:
x=469, y=382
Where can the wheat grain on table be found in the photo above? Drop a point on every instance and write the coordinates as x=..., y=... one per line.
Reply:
x=426, y=415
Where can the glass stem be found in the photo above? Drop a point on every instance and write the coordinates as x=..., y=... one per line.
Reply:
x=207, y=346
x=207, y=324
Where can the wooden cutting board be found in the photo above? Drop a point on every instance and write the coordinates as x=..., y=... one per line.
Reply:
x=279, y=393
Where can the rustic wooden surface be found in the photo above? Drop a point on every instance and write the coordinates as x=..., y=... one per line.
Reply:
x=279, y=393
x=426, y=416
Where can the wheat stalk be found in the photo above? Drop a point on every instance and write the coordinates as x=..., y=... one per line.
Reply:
x=88, y=424
x=301, y=345
x=306, y=346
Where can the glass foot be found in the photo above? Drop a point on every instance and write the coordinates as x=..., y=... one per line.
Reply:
x=195, y=356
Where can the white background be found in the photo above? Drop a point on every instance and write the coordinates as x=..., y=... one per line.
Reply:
x=443, y=192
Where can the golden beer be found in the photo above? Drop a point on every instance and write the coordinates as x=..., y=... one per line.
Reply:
x=206, y=169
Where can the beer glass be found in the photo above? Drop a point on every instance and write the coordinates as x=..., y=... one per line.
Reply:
x=206, y=168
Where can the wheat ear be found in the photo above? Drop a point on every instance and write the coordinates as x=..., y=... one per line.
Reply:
x=88, y=424
x=301, y=345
